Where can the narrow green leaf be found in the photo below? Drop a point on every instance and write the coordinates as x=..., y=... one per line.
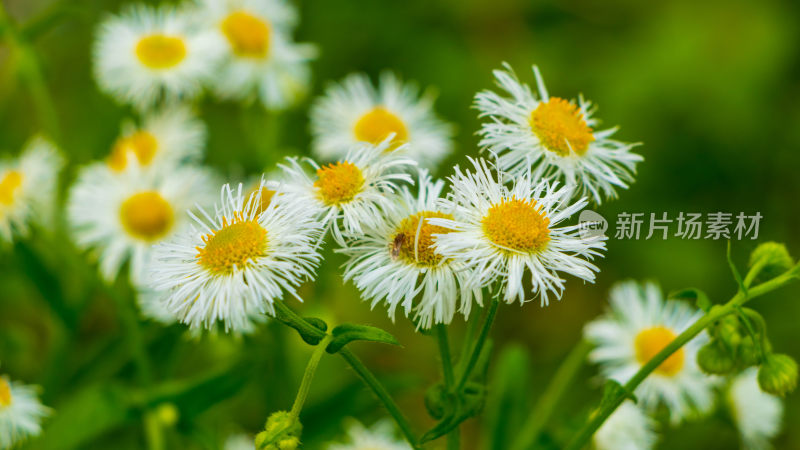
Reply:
x=348, y=332
x=735, y=271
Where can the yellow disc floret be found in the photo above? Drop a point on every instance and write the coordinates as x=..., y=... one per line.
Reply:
x=517, y=225
x=233, y=245
x=5, y=393
x=8, y=185
x=560, y=127
x=146, y=215
x=413, y=239
x=652, y=340
x=159, y=51
x=339, y=183
x=141, y=144
x=377, y=124
x=247, y=34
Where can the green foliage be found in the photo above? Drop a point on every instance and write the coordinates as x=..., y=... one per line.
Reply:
x=346, y=333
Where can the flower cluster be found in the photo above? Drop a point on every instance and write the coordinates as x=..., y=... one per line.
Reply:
x=238, y=49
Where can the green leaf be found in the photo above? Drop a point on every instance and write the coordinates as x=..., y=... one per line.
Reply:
x=735, y=271
x=612, y=391
x=701, y=299
x=506, y=406
x=348, y=332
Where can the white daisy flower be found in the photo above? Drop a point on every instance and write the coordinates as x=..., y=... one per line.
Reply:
x=260, y=58
x=356, y=111
x=638, y=326
x=381, y=436
x=21, y=413
x=758, y=415
x=28, y=188
x=237, y=262
x=500, y=233
x=395, y=262
x=166, y=138
x=628, y=428
x=121, y=216
x=145, y=55
x=554, y=136
x=350, y=194
x=240, y=442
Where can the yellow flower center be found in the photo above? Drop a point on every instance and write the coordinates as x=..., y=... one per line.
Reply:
x=8, y=185
x=414, y=230
x=141, y=144
x=339, y=183
x=377, y=124
x=5, y=393
x=515, y=224
x=159, y=51
x=233, y=245
x=560, y=127
x=650, y=341
x=247, y=34
x=146, y=215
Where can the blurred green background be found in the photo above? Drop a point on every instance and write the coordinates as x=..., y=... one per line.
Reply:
x=711, y=88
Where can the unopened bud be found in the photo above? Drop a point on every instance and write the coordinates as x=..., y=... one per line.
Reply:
x=281, y=429
x=728, y=332
x=778, y=375
x=714, y=359
x=777, y=259
x=167, y=414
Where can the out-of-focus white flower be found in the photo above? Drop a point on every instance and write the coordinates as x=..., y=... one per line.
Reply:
x=240, y=442
x=145, y=55
x=28, y=188
x=757, y=414
x=502, y=232
x=628, y=428
x=381, y=436
x=356, y=111
x=166, y=138
x=638, y=326
x=260, y=58
x=395, y=262
x=235, y=263
x=21, y=412
x=553, y=136
x=121, y=215
x=351, y=194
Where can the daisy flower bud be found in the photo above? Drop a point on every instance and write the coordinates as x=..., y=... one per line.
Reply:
x=714, y=359
x=776, y=259
x=778, y=374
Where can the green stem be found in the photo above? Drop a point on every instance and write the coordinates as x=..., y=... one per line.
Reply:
x=289, y=317
x=529, y=432
x=469, y=336
x=454, y=437
x=308, y=376
x=478, y=347
x=133, y=335
x=717, y=312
